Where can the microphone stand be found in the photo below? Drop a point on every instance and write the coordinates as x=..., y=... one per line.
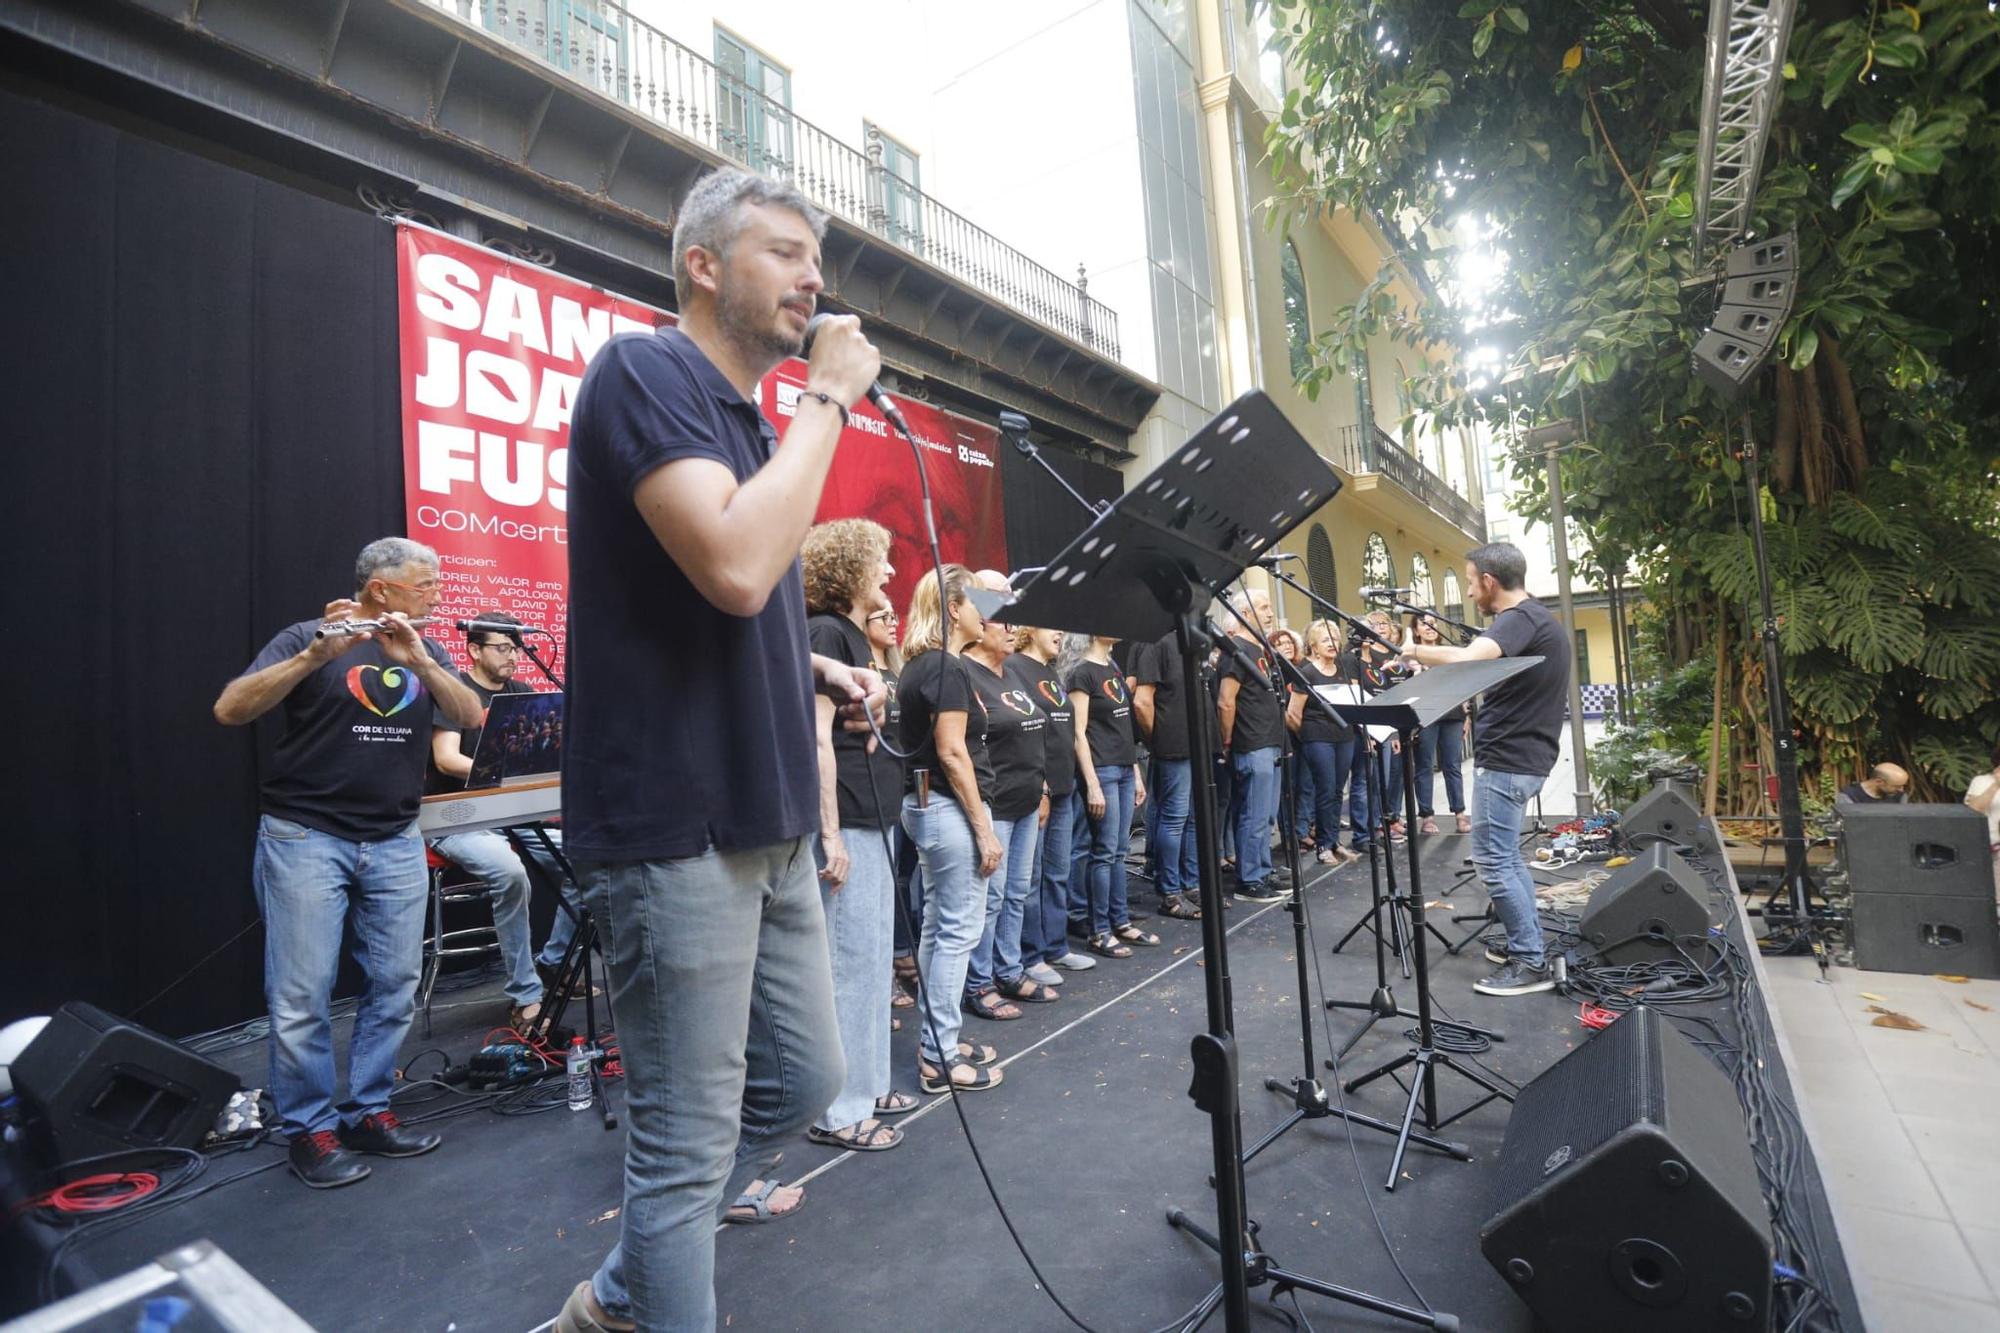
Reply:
x=1019, y=439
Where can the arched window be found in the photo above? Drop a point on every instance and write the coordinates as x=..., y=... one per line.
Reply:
x=1298, y=321
x=1320, y=571
x=1424, y=592
x=1454, y=602
x=1377, y=569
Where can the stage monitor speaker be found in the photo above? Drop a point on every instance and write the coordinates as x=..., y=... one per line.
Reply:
x=1637, y=914
x=1726, y=364
x=1922, y=879
x=102, y=1085
x=1632, y=1196
x=1668, y=815
x=1779, y=254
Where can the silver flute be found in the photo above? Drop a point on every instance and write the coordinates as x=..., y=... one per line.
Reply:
x=340, y=629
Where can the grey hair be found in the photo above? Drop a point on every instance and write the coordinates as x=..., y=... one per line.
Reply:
x=1240, y=600
x=1074, y=648
x=390, y=553
x=712, y=215
x=1501, y=560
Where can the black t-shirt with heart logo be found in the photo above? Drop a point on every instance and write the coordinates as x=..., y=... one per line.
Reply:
x=1015, y=730
x=941, y=682
x=1059, y=736
x=868, y=788
x=1109, y=724
x=1260, y=718
x=356, y=741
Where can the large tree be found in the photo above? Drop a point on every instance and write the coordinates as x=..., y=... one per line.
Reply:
x=1572, y=128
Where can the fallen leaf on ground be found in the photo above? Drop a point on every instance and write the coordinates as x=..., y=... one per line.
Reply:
x=1982, y=1008
x=1954, y=980
x=1871, y=995
x=1900, y=1022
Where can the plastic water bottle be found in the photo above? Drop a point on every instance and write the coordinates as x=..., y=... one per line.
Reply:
x=579, y=1075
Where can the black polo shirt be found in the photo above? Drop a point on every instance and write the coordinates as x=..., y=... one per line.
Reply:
x=1059, y=736
x=1159, y=664
x=1014, y=739
x=863, y=783
x=1260, y=719
x=688, y=728
x=1519, y=728
x=1314, y=725
x=1108, y=723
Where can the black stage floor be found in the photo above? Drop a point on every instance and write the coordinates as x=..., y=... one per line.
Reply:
x=1089, y=1142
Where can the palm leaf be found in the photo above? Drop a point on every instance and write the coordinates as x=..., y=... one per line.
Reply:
x=1878, y=631
x=1828, y=689
x=1961, y=647
x=1952, y=758
x=1964, y=569
x=1951, y=699
x=1801, y=610
x=1727, y=559
x=1874, y=521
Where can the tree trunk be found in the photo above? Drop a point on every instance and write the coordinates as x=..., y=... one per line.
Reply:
x=1785, y=443
x=1715, y=719
x=1814, y=464
x=1847, y=412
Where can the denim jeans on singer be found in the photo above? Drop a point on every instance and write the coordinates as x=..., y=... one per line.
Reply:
x=1020, y=867
x=1329, y=763
x=1110, y=837
x=1175, y=861
x=859, y=934
x=700, y=951
x=1499, y=807
x=954, y=917
x=487, y=854
x=309, y=884
x=1046, y=921
x=1257, y=778
x=1441, y=745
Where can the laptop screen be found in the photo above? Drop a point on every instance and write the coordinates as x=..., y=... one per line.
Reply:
x=522, y=740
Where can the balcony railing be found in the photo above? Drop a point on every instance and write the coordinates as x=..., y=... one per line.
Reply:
x=1376, y=450
x=599, y=44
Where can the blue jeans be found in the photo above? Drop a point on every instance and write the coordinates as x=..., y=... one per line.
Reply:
x=858, y=937
x=998, y=956
x=1228, y=800
x=309, y=884
x=1499, y=807
x=954, y=917
x=1441, y=741
x=1257, y=805
x=719, y=976
x=1176, y=862
x=489, y=855
x=1328, y=764
x=1110, y=837
x=1303, y=802
x=1045, y=924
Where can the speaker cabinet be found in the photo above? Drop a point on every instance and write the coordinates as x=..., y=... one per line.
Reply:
x=102, y=1085
x=1631, y=1198
x=1636, y=915
x=1922, y=879
x=1667, y=815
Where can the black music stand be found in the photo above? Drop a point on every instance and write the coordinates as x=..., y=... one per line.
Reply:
x=1146, y=566
x=1409, y=708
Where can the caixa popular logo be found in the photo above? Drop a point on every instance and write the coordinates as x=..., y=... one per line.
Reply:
x=1556, y=1160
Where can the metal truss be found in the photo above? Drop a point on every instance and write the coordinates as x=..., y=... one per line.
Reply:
x=1746, y=60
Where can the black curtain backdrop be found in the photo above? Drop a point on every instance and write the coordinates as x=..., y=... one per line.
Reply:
x=1041, y=518
x=204, y=433
x=205, y=430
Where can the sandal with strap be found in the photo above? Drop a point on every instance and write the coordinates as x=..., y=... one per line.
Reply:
x=1107, y=946
x=895, y=1103
x=901, y=999
x=758, y=1201
x=1179, y=908
x=1131, y=934
x=933, y=1079
x=1029, y=991
x=988, y=1004
x=862, y=1136
x=975, y=1054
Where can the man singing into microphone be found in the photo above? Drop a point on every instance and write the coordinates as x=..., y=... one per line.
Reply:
x=1514, y=745
x=690, y=781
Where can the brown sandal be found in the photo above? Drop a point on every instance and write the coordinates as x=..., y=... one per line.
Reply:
x=988, y=1004
x=1131, y=934
x=1029, y=991
x=1107, y=946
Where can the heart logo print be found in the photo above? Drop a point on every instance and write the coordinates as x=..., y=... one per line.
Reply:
x=392, y=678
x=1114, y=689
x=1019, y=702
x=1051, y=693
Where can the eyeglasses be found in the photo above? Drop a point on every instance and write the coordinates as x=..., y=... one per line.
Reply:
x=503, y=647
x=427, y=586
x=882, y=615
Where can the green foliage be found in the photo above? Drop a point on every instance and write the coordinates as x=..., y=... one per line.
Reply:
x=1573, y=130
x=1668, y=729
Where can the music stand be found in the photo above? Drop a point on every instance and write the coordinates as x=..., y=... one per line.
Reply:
x=1146, y=566
x=1409, y=708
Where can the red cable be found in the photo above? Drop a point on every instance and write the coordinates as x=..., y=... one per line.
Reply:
x=99, y=1194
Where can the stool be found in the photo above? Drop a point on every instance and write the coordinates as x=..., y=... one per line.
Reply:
x=465, y=942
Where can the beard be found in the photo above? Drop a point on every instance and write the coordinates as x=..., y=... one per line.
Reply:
x=752, y=326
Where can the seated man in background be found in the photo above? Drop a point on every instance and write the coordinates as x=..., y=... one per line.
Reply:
x=1885, y=783
x=486, y=852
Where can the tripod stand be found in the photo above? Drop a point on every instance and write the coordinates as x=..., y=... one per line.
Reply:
x=1142, y=568
x=1409, y=707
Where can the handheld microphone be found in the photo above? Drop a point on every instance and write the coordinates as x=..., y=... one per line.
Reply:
x=882, y=401
x=1385, y=594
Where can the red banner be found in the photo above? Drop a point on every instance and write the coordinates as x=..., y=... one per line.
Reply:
x=492, y=352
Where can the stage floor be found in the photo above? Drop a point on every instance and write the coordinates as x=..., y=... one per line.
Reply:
x=1089, y=1142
